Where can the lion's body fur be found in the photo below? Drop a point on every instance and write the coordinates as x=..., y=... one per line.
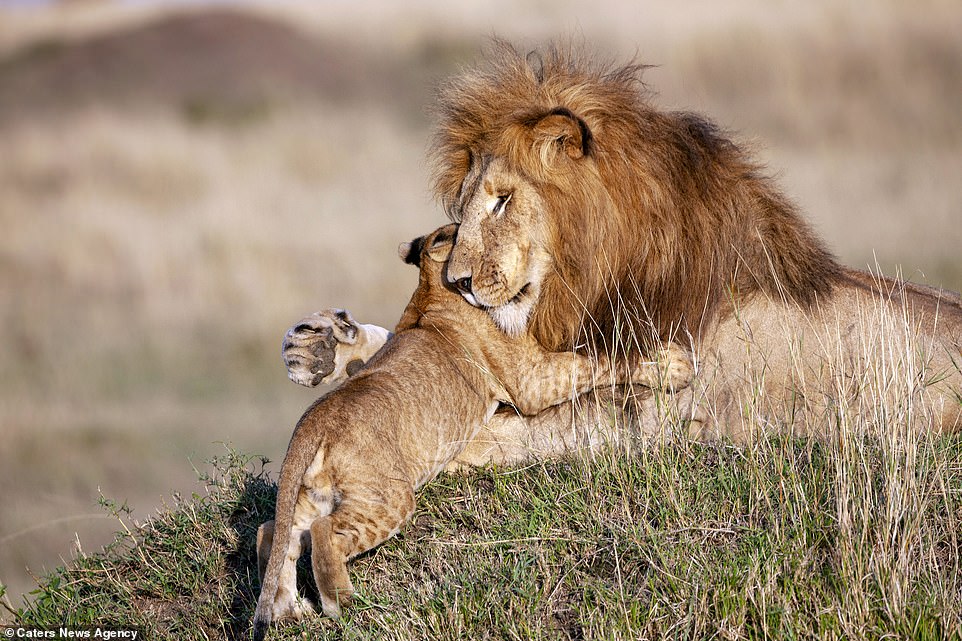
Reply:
x=659, y=223
x=877, y=352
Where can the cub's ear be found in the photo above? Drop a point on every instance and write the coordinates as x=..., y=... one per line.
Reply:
x=410, y=252
x=440, y=251
x=560, y=129
x=439, y=244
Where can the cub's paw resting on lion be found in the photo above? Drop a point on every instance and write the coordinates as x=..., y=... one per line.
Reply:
x=675, y=368
x=328, y=346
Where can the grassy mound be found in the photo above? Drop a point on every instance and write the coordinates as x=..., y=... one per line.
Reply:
x=785, y=539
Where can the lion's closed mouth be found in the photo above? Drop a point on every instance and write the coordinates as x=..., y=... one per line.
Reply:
x=521, y=294
x=516, y=299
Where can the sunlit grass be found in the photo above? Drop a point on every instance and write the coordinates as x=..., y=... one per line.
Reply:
x=788, y=539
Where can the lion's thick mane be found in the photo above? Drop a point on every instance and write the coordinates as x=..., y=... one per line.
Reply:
x=662, y=217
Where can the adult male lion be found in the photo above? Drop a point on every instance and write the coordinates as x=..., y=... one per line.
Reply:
x=605, y=224
x=602, y=222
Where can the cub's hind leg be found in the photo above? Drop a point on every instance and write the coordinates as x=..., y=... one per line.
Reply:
x=356, y=526
x=287, y=603
x=330, y=568
x=265, y=538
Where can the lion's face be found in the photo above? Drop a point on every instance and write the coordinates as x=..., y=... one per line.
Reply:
x=586, y=210
x=500, y=257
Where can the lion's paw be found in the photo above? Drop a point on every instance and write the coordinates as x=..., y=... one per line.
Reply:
x=676, y=367
x=310, y=347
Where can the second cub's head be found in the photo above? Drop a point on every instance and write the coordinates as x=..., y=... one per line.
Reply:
x=430, y=254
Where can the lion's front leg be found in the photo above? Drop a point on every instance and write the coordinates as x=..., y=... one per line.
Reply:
x=329, y=346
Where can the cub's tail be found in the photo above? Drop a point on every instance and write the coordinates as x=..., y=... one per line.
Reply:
x=300, y=453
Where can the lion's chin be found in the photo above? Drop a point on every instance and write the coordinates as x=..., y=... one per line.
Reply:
x=512, y=317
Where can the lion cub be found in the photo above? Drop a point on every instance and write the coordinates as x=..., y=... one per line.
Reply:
x=359, y=453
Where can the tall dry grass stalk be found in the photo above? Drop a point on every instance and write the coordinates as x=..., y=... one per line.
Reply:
x=891, y=476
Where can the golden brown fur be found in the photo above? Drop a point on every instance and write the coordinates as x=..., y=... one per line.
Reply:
x=358, y=454
x=685, y=215
x=656, y=225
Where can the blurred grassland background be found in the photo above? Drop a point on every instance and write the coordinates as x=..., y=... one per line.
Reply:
x=180, y=183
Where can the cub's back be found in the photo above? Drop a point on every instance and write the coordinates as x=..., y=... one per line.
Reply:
x=418, y=397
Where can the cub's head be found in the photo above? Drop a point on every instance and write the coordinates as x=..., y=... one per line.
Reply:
x=430, y=254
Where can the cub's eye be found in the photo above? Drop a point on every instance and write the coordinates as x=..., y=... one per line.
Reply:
x=500, y=204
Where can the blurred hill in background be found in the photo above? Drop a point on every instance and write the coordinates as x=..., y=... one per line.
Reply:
x=179, y=185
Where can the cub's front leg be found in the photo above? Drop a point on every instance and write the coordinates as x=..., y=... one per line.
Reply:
x=328, y=347
x=539, y=380
x=671, y=369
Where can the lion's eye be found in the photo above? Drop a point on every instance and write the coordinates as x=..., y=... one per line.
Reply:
x=500, y=204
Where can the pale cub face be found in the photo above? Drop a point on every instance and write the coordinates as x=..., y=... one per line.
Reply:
x=500, y=257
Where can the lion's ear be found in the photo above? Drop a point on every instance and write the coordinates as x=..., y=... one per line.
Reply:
x=566, y=130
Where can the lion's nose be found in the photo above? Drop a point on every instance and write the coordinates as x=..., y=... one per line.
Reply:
x=458, y=276
x=463, y=284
